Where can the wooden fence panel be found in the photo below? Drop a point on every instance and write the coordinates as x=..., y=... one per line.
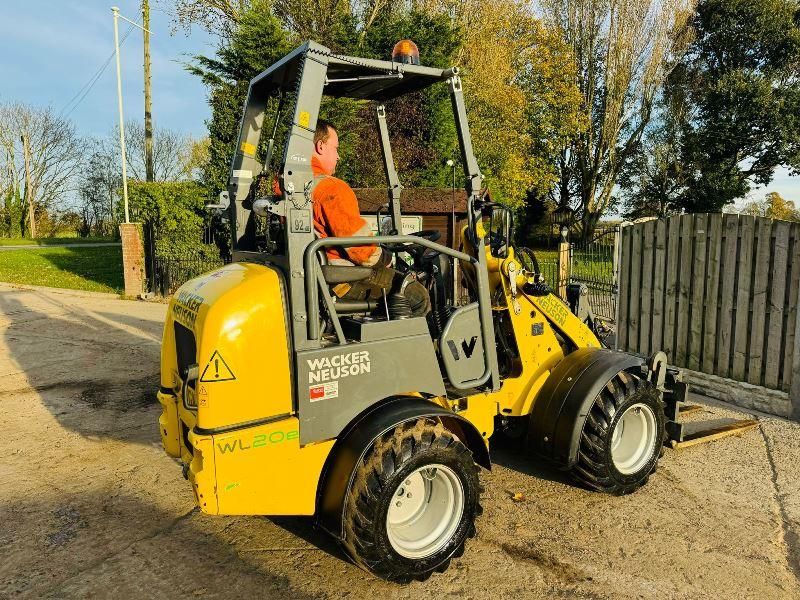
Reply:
x=776, y=304
x=659, y=265
x=635, y=308
x=697, y=279
x=684, y=290
x=645, y=318
x=728, y=268
x=747, y=233
x=718, y=293
x=712, y=300
x=789, y=373
x=758, y=319
x=626, y=258
x=671, y=287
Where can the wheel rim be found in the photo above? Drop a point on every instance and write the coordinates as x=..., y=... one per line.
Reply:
x=425, y=511
x=633, y=439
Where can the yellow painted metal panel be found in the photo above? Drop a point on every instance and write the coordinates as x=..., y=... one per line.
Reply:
x=237, y=316
x=168, y=424
x=264, y=471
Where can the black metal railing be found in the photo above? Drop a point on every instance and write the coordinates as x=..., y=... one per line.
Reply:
x=592, y=264
x=549, y=270
x=168, y=273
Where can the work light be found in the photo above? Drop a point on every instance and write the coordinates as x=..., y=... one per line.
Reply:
x=406, y=52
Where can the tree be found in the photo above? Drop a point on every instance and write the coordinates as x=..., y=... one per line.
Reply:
x=330, y=22
x=520, y=92
x=420, y=125
x=255, y=42
x=195, y=157
x=654, y=179
x=55, y=152
x=12, y=211
x=169, y=152
x=215, y=16
x=774, y=206
x=100, y=190
x=624, y=50
x=740, y=76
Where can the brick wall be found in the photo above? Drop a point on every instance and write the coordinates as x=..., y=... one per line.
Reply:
x=132, y=258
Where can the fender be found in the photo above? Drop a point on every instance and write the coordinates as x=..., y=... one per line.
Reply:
x=560, y=409
x=358, y=437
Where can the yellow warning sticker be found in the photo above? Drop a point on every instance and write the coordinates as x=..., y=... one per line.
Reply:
x=217, y=370
x=248, y=148
x=303, y=119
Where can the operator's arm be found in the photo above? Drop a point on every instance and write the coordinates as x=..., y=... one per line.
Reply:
x=340, y=211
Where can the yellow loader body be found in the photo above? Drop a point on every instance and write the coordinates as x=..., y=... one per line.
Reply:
x=233, y=425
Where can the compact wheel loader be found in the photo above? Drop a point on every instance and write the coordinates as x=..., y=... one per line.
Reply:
x=280, y=398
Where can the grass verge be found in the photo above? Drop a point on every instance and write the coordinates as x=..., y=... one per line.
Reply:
x=52, y=241
x=90, y=269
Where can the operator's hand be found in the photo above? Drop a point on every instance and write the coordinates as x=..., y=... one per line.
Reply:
x=385, y=259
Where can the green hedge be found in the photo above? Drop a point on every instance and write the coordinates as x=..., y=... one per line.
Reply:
x=176, y=211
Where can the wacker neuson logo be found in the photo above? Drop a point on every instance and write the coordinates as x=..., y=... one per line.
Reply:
x=338, y=366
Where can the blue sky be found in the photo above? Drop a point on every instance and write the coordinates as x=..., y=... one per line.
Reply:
x=51, y=48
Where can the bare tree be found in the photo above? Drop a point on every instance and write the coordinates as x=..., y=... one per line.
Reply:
x=169, y=149
x=307, y=21
x=55, y=153
x=215, y=16
x=624, y=50
x=100, y=189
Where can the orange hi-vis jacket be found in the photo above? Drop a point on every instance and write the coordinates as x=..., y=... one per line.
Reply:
x=336, y=215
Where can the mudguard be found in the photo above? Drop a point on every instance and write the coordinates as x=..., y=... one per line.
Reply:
x=560, y=409
x=353, y=443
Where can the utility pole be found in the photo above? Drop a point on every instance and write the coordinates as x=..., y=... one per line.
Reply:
x=148, y=107
x=28, y=187
x=117, y=17
x=115, y=10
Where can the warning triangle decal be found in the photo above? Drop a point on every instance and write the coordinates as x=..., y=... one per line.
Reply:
x=217, y=370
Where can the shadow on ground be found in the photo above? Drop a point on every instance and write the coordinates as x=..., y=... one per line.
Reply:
x=87, y=545
x=94, y=371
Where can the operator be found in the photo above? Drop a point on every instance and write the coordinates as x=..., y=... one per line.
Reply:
x=336, y=215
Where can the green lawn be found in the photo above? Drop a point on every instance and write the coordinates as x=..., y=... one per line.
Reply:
x=586, y=265
x=51, y=241
x=91, y=269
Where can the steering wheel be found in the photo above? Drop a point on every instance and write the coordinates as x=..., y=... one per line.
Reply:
x=417, y=252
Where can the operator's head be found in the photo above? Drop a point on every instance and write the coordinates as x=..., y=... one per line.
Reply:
x=326, y=146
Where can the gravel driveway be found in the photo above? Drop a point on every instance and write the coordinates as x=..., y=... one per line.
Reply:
x=90, y=506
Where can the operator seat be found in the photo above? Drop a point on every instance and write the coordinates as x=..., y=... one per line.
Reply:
x=336, y=274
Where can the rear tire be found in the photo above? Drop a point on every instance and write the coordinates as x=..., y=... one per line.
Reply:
x=623, y=437
x=413, y=503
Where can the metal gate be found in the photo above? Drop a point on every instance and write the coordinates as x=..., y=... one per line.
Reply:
x=594, y=263
x=165, y=274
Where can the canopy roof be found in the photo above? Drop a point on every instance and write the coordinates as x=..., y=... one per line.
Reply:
x=351, y=76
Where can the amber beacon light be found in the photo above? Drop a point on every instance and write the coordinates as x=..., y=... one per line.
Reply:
x=406, y=52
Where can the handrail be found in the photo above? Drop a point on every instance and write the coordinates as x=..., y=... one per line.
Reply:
x=312, y=263
x=312, y=267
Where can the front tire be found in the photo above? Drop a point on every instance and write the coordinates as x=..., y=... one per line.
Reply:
x=413, y=502
x=623, y=437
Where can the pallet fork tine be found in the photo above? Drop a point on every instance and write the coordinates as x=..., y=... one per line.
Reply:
x=678, y=436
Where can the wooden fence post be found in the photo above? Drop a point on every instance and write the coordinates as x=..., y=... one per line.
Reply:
x=563, y=265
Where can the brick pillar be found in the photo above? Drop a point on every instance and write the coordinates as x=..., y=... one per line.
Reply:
x=132, y=258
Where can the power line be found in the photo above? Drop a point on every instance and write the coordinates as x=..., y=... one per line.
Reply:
x=87, y=87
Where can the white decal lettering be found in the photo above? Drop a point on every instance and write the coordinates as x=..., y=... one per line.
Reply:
x=332, y=368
